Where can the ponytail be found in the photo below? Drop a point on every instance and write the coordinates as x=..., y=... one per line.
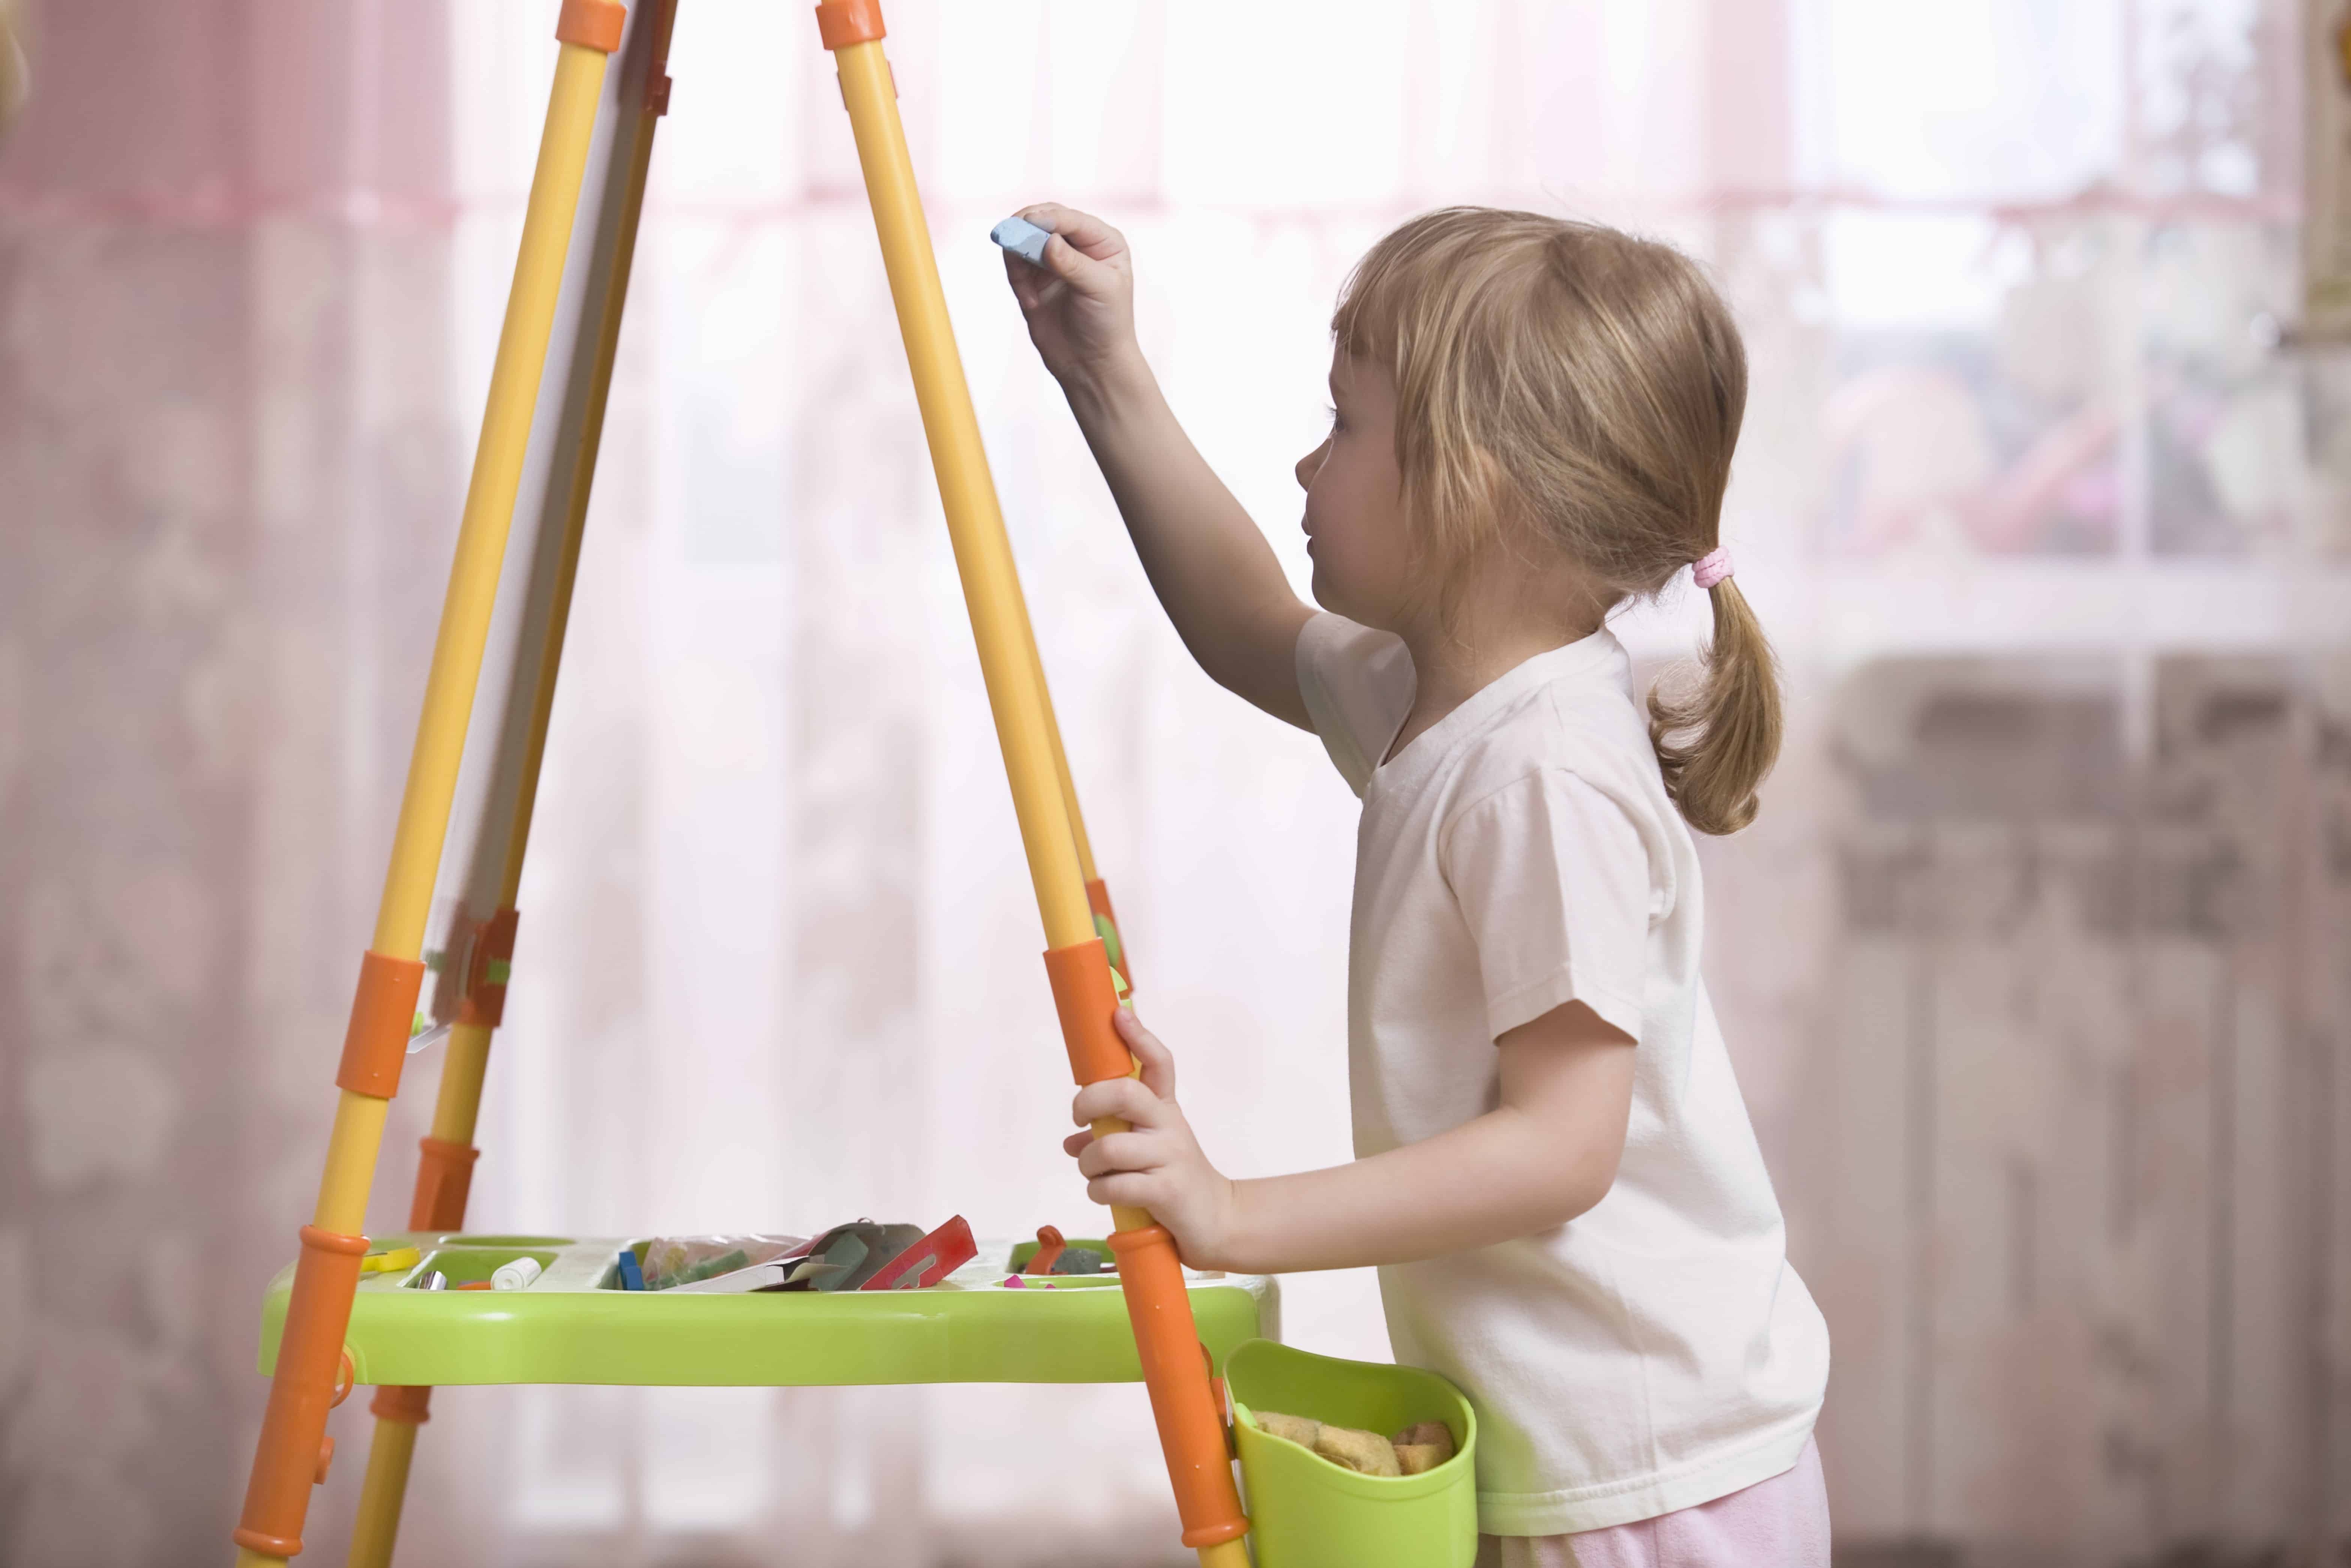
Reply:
x=1716, y=743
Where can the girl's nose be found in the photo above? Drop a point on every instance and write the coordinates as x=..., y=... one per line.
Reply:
x=1310, y=464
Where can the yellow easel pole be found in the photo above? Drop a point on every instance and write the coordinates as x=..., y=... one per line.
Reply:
x=293, y=1452
x=383, y=1491
x=445, y=1171
x=1175, y=1370
x=1105, y=917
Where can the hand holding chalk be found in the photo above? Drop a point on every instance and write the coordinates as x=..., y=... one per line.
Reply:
x=1078, y=296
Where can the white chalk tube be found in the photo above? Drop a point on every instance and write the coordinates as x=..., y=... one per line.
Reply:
x=515, y=1276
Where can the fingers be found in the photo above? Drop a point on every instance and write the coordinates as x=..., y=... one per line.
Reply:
x=1158, y=1062
x=1124, y=1098
x=1079, y=254
x=1072, y=267
x=1027, y=286
x=1127, y=1190
x=1075, y=1143
x=1122, y=1152
x=1081, y=230
x=1033, y=288
x=1069, y=266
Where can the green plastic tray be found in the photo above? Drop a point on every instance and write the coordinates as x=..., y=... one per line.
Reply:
x=574, y=1324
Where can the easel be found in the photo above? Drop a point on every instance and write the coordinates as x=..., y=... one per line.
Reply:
x=537, y=452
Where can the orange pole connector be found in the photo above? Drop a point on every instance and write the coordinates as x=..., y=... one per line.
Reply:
x=1191, y=1426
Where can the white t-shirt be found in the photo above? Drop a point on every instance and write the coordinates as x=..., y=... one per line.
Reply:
x=1657, y=1352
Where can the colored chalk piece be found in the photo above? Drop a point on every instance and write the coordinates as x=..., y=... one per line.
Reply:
x=1022, y=238
x=633, y=1276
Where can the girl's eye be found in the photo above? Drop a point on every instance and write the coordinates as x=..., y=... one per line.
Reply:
x=1333, y=413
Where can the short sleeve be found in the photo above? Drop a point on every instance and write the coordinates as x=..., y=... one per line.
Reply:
x=1357, y=685
x=1553, y=880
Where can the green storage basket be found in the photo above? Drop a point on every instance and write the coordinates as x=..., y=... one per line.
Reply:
x=1307, y=1512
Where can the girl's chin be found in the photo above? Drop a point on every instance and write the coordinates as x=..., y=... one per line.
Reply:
x=1330, y=598
x=1334, y=597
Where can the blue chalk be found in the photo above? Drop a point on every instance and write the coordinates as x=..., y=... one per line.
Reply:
x=1022, y=238
x=633, y=1278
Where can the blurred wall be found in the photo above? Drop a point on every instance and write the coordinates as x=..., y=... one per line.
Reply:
x=2034, y=967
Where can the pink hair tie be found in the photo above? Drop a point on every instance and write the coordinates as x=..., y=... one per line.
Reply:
x=1711, y=568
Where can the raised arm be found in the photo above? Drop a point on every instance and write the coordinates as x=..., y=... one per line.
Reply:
x=1214, y=572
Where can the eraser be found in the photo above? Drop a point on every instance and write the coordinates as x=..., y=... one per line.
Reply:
x=1022, y=238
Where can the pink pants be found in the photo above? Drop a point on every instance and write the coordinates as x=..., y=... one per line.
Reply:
x=1779, y=1523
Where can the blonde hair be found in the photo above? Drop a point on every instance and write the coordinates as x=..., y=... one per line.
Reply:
x=1566, y=383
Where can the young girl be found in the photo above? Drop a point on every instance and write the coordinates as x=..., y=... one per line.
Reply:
x=1534, y=422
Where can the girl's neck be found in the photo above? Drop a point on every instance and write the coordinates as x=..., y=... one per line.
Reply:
x=1502, y=615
